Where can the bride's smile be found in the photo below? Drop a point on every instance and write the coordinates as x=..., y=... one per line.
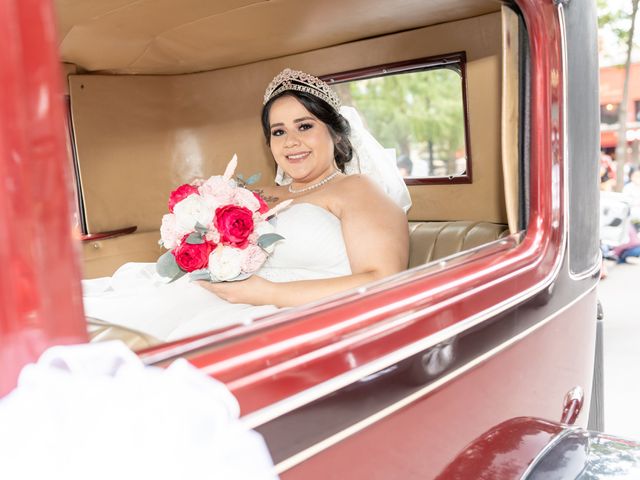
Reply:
x=296, y=157
x=301, y=144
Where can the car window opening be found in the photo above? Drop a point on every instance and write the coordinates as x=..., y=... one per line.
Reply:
x=428, y=113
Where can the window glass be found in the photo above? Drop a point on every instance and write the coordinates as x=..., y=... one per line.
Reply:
x=418, y=116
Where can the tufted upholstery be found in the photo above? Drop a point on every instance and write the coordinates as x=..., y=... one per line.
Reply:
x=434, y=240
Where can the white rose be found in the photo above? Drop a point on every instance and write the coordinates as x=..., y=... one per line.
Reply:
x=211, y=201
x=193, y=209
x=225, y=263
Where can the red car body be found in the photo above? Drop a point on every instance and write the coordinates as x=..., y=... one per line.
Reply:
x=514, y=321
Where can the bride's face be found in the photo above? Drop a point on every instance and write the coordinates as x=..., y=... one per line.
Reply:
x=300, y=143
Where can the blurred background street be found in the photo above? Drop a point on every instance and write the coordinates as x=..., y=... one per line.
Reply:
x=619, y=292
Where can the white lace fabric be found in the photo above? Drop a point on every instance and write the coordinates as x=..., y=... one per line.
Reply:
x=96, y=411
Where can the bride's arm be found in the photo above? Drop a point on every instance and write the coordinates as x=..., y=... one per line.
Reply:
x=377, y=241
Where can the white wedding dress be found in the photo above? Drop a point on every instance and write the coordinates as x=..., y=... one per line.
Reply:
x=137, y=297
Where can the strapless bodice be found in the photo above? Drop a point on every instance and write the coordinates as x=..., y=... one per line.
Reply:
x=313, y=246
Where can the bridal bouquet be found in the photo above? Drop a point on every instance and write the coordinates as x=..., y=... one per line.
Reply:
x=217, y=230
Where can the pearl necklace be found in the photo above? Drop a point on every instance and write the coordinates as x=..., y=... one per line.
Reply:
x=315, y=185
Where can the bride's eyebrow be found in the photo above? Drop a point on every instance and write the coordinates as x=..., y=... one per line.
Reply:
x=297, y=120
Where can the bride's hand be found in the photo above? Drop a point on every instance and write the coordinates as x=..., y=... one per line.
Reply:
x=251, y=291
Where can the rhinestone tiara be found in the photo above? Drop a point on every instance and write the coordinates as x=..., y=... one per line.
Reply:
x=301, y=82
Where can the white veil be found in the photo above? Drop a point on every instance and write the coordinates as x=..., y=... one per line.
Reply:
x=369, y=158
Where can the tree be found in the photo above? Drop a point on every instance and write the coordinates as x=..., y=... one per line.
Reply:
x=422, y=108
x=622, y=25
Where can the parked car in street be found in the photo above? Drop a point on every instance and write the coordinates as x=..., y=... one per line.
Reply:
x=495, y=317
x=615, y=219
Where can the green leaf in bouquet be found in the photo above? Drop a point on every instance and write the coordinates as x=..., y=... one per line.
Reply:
x=166, y=266
x=201, y=229
x=195, y=238
x=268, y=239
x=253, y=178
x=202, y=274
x=178, y=275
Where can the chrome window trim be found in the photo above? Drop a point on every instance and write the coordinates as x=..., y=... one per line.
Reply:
x=592, y=270
x=588, y=273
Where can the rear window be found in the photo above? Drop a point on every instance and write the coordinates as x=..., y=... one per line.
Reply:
x=417, y=111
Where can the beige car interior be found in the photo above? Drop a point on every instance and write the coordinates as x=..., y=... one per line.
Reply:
x=162, y=93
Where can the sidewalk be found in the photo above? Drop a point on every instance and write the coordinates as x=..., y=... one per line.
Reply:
x=620, y=297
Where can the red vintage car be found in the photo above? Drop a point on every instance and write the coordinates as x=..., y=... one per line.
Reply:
x=495, y=317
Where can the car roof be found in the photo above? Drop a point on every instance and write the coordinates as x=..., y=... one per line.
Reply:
x=172, y=37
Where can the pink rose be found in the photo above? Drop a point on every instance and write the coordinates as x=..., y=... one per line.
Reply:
x=264, y=208
x=235, y=224
x=180, y=193
x=190, y=257
x=245, y=198
x=253, y=258
x=221, y=190
x=170, y=232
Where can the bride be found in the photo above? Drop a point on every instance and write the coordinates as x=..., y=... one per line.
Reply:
x=345, y=226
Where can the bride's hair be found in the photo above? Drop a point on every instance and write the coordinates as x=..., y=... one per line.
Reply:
x=338, y=125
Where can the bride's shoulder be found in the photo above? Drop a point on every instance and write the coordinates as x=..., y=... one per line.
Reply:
x=358, y=191
x=360, y=186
